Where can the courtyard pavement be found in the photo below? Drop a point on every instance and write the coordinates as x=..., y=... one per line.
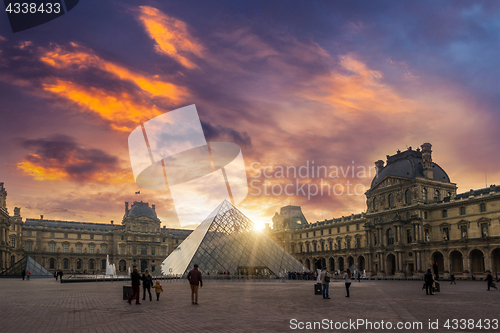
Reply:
x=44, y=305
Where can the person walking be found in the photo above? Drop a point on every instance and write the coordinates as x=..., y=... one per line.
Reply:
x=436, y=270
x=29, y=274
x=60, y=273
x=147, y=283
x=56, y=274
x=194, y=277
x=136, y=286
x=489, y=281
x=347, y=278
x=23, y=274
x=452, y=277
x=359, y=277
x=325, y=281
x=158, y=289
x=429, y=280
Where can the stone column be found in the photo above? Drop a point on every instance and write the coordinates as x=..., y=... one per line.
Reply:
x=487, y=261
x=400, y=262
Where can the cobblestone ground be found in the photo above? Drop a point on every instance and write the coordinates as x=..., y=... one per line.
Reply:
x=43, y=305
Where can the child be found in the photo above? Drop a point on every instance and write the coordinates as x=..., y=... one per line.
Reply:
x=158, y=289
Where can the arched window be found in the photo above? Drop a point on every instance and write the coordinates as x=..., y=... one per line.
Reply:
x=391, y=200
x=103, y=264
x=408, y=197
x=390, y=236
x=437, y=195
x=375, y=203
x=52, y=263
x=424, y=195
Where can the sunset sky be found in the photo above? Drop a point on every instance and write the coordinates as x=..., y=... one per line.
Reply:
x=292, y=83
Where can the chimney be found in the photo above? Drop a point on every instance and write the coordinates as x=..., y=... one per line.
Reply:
x=126, y=207
x=153, y=206
x=41, y=217
x=379, y=165
x=112, y=222
x=427, y=160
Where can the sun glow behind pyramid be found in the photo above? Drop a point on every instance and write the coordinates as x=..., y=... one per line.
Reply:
x=227, y=242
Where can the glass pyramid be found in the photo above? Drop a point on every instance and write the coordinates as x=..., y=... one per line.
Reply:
x=225, y=242
x=27, y=264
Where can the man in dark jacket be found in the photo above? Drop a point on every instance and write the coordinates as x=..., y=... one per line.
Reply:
x=194, y=277
x=428, y=279
x=489, y=280
x=136, y=286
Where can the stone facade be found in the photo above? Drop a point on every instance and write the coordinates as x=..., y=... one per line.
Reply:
x=414, y=217
x=80, y=247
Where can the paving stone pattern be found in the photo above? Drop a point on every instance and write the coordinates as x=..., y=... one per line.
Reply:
x=47, y=306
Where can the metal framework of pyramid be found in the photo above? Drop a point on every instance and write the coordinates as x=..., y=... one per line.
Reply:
x=27, y=264
x=225, y=242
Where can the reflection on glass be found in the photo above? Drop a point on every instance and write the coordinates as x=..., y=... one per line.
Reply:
x=226, y=243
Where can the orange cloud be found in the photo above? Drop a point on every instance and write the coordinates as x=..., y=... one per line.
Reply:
x=122, y=110
x=171, y=36
x=83, y=59
x=39, y=172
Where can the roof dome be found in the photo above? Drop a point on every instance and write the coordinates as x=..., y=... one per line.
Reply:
x=408, y=164
x=141, y=208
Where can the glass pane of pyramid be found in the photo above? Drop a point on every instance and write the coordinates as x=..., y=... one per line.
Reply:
x=27, y=264
x=226, y=242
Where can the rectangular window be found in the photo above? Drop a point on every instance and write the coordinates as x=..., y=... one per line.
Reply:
x=358, y=243
x=484, y=230
x=52, y=235
x=329, y=231
x=91, y=248
x=79, y=236
x=339, y=244
x=103, y=237
x=144, y=250
x=462, y=210
x=29, y=232
x=103, y=249
x=122, y=249
x=78, y=248
x=29, y=247
x=91, y=236
x=348, y=244
x=346, y=228
x=164, y=251
x=134, y=249
x=300, y=236
x=123, y=237
x=338, y=230
x=446, y=234
x=153, y=251
x=408, y=236
x=13, y=227
x=66, y=248
x=321, y=232
x=425, y=215
x=13, y=242
x=357, y=226
x=65, y=235
x=482, y=207
x=314, y=233
x=445, y=213
x=52, y=247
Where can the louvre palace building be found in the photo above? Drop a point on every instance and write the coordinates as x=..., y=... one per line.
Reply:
x=414, y=218
x=80, y=247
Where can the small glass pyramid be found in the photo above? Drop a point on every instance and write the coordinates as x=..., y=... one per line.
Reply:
x=226, y=243
x=27, y=264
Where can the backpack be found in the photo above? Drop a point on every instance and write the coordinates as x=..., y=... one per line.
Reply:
x=327, y=279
